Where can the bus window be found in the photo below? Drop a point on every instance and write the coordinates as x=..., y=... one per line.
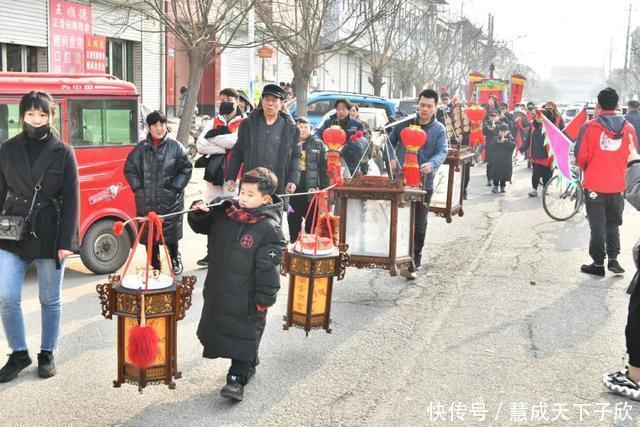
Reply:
x=10, y=120
x=103, y=122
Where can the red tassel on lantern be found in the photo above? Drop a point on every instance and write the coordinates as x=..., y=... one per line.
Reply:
x=118, y=228
x=143, y=342
x=412, y=137
x=334, y=138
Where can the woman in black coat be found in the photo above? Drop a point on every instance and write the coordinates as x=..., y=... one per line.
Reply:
x=158, y=170
x=36, y=159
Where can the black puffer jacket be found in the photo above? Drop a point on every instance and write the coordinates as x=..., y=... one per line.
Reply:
x=314, y=174
x=158, y=176
x=243, y=272
x=60, y=183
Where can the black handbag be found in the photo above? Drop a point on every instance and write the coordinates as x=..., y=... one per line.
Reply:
x=15, y=227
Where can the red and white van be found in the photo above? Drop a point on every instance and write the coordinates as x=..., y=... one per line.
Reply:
x=97, y=115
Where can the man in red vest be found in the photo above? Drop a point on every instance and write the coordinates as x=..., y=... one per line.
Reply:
x=602, y=149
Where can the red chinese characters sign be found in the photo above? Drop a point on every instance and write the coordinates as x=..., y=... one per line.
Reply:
x=68, y=23
x=95, y=56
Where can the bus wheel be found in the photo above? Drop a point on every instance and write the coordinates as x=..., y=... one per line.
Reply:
x=102, y=251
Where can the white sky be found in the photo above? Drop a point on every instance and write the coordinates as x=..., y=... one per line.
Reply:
x=548, y=33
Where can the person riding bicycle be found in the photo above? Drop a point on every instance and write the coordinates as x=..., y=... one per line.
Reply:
x=602, y=149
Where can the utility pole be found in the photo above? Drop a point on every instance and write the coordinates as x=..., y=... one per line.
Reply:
x=610, y=55
x=626, y=47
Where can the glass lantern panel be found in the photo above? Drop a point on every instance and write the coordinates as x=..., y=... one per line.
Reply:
x=404, y=230
x=368, y=227
x=157, y=323
x=301, y=295
x=440, y=187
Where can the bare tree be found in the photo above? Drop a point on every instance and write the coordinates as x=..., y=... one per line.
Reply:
x=205, y=28
x=307, y=30
x=388, y=38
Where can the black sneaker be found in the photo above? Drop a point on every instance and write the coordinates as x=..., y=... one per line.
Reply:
x=18, y=360
x=620, y=383
x=46, y=367
x=614, y=266
x=203, y=262
x=503, y=190
x=234, y=389
x=596, y=270
x=177, y=265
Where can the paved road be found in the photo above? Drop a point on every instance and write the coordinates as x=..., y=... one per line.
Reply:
x=500, y=323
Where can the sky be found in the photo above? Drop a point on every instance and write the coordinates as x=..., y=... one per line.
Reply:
x=547, y=33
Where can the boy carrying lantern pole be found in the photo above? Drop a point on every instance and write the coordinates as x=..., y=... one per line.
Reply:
x=430, y=155
x=245, y=251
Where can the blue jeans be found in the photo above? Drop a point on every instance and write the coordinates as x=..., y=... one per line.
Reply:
x=12, y=272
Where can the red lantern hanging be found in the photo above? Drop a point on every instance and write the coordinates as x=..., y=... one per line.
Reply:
x=476, y=114
x=334, y=138
x=412, y=137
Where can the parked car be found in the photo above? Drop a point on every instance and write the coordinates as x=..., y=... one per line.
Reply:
x=407, y=106
x=319, y=103
x=99, y=116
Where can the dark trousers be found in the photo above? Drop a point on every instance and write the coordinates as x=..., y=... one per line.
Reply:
x=420, y=223
x=499, y=183
x=467, y=175
x=243, y=368
x=632, y=330
x=155, y=254
x=299, y=204
x=605, y=217
x=540, y=172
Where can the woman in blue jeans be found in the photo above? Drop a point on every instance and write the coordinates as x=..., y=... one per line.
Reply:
x=35, y=158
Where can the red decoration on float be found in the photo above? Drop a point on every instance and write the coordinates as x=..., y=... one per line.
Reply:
x=476, y=114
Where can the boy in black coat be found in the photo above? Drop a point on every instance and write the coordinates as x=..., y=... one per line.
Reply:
x=501, y=149
x=245, y=250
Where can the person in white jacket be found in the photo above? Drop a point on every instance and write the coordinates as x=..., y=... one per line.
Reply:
x=216, y=142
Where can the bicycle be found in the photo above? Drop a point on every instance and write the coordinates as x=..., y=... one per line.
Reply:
x=562, y=199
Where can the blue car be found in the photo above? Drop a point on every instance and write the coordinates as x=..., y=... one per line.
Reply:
x=319, y=103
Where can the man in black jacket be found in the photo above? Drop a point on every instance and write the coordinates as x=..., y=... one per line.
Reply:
x=268, y=138
x=313, y=176
x=633, y=115
x=158, y=170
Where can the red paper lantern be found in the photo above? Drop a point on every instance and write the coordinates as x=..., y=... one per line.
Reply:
x=412, y=137
x=476, y=114
x=334, y=138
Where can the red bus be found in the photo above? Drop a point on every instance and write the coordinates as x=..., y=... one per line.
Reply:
x=98, y=115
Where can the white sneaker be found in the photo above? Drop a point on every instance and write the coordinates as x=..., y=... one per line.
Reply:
x=620, y=383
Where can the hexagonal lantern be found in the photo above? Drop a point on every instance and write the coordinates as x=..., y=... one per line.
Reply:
x=163, y=308
x=376, y=221
x=311, y=286
x=448, y=187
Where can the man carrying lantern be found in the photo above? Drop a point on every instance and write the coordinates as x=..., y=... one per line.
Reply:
x=430, y=156
x=356, y=134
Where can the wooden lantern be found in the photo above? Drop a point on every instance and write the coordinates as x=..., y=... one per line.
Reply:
x=311, y=286
x=377, y=222
x=448, y=188
x=163, y=308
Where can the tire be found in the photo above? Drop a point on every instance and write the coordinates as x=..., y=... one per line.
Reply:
x=102, y=251
x=565, y=204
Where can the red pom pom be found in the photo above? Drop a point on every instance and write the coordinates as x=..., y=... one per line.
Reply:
x=143, y=346
x=359, y=134
x=118, y=228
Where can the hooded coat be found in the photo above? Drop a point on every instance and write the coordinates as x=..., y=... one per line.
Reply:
x=602, y=149
x=158, y=176
x=501, y=158
x=243, y=271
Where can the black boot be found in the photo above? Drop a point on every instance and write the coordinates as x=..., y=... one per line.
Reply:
x=614, y=266
x=46, y=367
x=18, y=360
x=234, y=389
x=596, y=270
x=203, y=262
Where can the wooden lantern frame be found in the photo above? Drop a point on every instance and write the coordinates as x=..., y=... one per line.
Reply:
x=169, y=304
x=311, y=268
x=456, y=158
x=381, y=188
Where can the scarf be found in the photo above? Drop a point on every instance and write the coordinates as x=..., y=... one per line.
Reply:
x=242, y=215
